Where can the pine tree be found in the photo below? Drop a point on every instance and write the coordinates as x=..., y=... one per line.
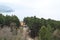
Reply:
x=45, y=33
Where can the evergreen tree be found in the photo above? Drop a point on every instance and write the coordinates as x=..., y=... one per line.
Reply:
x=45, y=33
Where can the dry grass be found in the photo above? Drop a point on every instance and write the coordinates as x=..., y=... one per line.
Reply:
x=5, y=34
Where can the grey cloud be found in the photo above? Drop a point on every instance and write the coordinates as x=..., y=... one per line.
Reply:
x=4, y=8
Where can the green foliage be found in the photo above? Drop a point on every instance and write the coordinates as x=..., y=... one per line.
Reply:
x=34, y=25
x=42, y=33
x=7, y=20
x=45, y=33
x=2, y=20
x=49, y=33
x=16, y=20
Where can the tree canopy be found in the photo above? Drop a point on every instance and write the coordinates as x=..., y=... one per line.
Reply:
x=7, y=20
x=35, y=24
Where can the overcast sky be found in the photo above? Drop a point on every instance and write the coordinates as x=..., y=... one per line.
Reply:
x=39, y=8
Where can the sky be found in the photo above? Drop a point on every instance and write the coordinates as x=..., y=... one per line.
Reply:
x=39, y=8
